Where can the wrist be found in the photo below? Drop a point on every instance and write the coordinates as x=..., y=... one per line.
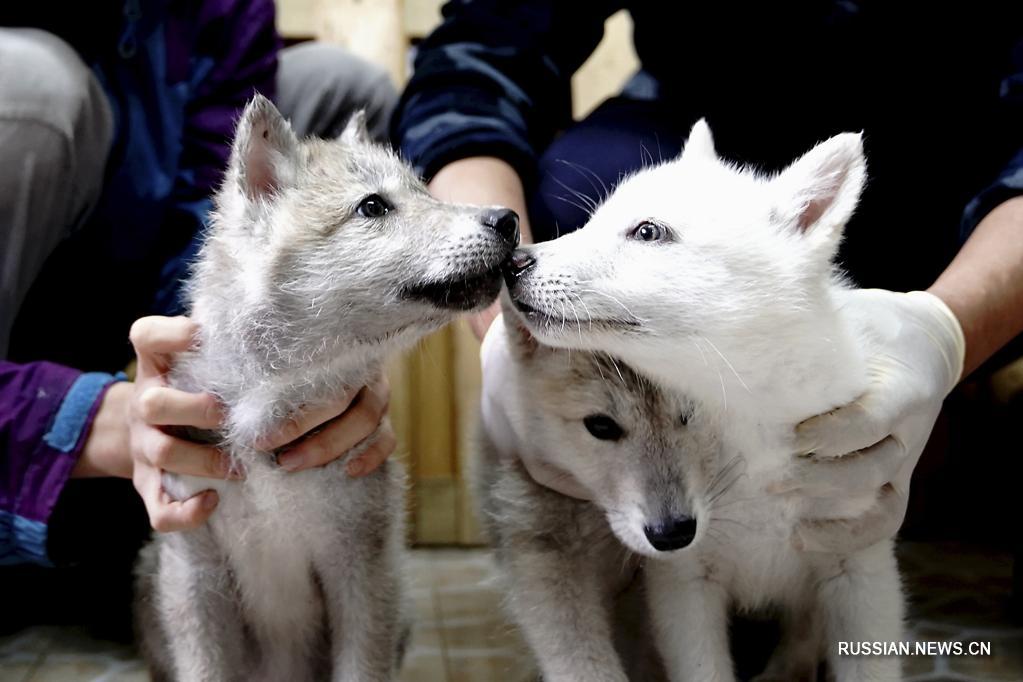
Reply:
x=107, y=450
x=483, y=181
x=983, y=286
x=946, y=331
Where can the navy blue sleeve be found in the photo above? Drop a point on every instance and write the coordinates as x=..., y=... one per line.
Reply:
x=494, y=79
x=1009, y=182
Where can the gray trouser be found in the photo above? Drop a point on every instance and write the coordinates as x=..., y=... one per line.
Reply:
x=56, y=130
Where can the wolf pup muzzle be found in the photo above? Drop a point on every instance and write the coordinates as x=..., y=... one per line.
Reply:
x=475, y=290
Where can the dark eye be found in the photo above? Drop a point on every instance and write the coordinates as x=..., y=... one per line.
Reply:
x=649, y=232
x=373, y=206
x=684, y=419
x=602, y=427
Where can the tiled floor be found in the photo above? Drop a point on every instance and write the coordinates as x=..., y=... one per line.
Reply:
x=956, y=594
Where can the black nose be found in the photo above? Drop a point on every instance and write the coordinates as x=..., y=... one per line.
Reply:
x=505, y=222
x=671, y=534
x=517, y=264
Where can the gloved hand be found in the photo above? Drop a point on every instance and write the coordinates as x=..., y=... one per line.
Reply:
x=498, y=414
x=870, y=447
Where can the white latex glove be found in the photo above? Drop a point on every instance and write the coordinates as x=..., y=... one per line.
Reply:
x=499, y=415
x=871, y=446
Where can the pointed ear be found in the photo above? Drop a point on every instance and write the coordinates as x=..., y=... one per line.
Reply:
x=700, y=143
x=355, y=131
x=265, y=153
x=818, y=193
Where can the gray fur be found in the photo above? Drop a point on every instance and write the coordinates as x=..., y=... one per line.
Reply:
x=575, y=586
x=298, y=576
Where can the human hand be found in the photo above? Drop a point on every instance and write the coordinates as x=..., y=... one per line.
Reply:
x=153, y=405
x=148, y=405
x=483, y=181
x=321, y=435
x=870, y=447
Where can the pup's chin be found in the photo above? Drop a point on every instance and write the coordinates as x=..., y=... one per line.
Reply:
x=463, y=294
x=560, y=331
x=644, y=549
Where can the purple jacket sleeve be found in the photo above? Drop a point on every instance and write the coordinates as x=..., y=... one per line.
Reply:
x=45, y=414
x=233, y=56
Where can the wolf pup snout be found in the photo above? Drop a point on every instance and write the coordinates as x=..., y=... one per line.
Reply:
x=505, y=222
x=473, y=269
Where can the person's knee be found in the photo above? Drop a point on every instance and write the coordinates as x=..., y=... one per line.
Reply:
x=324, y=84
x=42, y=78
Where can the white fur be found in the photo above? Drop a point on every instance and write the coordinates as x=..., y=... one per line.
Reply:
x=740, y=308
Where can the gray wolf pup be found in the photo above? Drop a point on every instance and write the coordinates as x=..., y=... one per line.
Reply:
x=324, y=256
x=572, y=567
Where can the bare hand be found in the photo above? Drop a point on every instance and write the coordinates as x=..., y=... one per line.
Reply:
x=362, y=414
x=154, y=405
x=149, y=404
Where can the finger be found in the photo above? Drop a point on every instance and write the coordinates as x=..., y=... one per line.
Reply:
x=880, y=522
x=167, y=515
x=172, y=516
x=359, y=422
x=164, y=406
x=383, y=446
x=856, y=473
x=306, y=421
x=183, y=457
x=155, y=338
x=846, y=429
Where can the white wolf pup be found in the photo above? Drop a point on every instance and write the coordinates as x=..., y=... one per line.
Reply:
x=323, y=257
x=630, y=450
x=719, y=283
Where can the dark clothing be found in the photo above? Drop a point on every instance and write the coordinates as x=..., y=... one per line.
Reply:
x=175, y=75
x=173, y=129
x=938, y=90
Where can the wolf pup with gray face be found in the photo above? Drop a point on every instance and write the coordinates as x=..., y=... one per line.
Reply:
x=323, y=257
x=720, y=284
x=639, y=456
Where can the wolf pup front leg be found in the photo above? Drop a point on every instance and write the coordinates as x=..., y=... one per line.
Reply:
x=863, y=603
x=690, y=614
x=553, y=556
x=191, y=624
x=359, y=567
x=563, y=609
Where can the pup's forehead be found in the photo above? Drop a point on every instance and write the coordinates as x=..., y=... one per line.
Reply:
x=365, y=165
x=684, y=193
x=628, y=390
